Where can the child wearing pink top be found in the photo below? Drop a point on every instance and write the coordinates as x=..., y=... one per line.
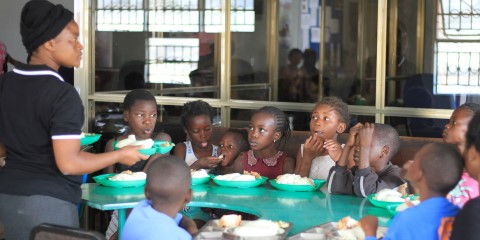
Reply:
x=454, y=133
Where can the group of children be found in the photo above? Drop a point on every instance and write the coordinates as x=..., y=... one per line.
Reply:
x=361, y=166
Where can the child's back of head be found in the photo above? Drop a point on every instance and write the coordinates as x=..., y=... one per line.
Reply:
x=441, y=165
x=168, y=182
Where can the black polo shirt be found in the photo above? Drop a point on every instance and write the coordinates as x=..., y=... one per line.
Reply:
x=36, y=106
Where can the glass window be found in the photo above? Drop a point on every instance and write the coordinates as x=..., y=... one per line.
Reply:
x=417, y=127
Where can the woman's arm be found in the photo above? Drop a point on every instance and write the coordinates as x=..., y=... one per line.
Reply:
x=71, y=160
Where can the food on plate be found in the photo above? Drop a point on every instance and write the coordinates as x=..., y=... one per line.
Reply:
x=255, y=174
x=230, y=220
x=294, y=179
x=247, y=176
x=167, y=144
x=132, y=141
x=347, y=223
x=407, y=204
x=258, y=228
x=402, y=189
x=388, y=195
x=201, y=173
x=128, y=175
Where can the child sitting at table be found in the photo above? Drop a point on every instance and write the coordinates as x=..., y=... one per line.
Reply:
x=454, y=133
x=467, y=223
x=269, y=128
x=373, y=146
x=233, y=142
x=436, y=169
x=199, y=152
x=167, y=191
x=321, y=150
x=140, y=112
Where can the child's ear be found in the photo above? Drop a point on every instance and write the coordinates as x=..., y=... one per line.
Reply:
x=125, y=116
x=385, y=151
x=147, y=196
x=277, y=136
x=341, y=127
x=188, y=197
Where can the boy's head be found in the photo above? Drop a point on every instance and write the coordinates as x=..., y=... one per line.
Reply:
x=295, y=56
x=385, y=144
x=140, y=112
x=456, y=128
x=472, y=150
x=197, y=119
x=232, y=143
x=329, y=117
x=168, y=182
x=49, y=29
x=436, y=167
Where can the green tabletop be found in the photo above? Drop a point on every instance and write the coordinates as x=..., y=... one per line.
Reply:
x=303, y=209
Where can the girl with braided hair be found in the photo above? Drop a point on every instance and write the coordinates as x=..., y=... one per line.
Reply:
x=269, y=128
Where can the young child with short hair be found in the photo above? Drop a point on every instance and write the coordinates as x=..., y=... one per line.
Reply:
x=269, y=127
x=373, y=146
x=435, y=171
x=167, y=191
x=467, y=223
x=321, y=150
x=140, y=112
x=199, y=152
x=454, y=133
x=233, y=142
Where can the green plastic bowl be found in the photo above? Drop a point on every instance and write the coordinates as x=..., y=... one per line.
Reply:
x=298, y=188
x=381, y=204
x=392, y=209
x=89, y=139
x=103, y=180
x=158, y=147
x=240, y=184
x=198, y=181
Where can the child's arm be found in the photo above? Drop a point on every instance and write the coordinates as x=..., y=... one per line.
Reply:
x=189, y=225
x=333, y=148
x=288, y=165
x=369, y=225
x=311, y=148
x=366, y=181
x=180, y=150
x=366, y=138
x=206, y=163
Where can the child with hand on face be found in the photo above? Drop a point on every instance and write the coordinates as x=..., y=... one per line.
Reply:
x=198, y=153
x=467, y=223
x=140, y=112
x=435, y=171
x=373, y=146
x=454, y=133
x=268, y=126
x=167, y=191
x=232, y=143
x=321, y=150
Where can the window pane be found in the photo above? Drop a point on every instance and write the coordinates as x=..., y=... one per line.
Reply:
x=167, y=49
x=417, y=127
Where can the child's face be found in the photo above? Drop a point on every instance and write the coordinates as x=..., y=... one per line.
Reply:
x=456, y=128
x=262, y=131
x=141, y=118
x=68, y=50
x=472, y=162
x=199, y=128
x=229, y=147
x=325, y=122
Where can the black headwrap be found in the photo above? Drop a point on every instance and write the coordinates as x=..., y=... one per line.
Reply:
x=41, y=21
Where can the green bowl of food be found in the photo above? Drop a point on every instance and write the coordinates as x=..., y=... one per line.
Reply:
x=107, y=181
x=239, y=184
x=89, y=138
x=161, y=147
x=298, y=188
x=382, y=204
x=198, y=181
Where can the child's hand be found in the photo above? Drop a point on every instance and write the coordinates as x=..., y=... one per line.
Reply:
x=189, y=225
x=352, y=134
x=366, y=135
x=405, y=168
x=210, y=162
x=369, y=225
x=312, y=147
x=131, y=155
x=334, y=149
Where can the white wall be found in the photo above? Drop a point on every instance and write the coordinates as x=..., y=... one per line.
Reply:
x=10, y=25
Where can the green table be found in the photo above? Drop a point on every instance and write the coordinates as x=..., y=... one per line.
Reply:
x=303, y=209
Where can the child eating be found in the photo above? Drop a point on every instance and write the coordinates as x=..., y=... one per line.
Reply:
x=198, y=153
x=373, y=146
x=321, y=150
x=435, y=171
x=232, y=143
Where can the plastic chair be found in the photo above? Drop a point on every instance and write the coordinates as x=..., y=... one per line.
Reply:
x=47, y=231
